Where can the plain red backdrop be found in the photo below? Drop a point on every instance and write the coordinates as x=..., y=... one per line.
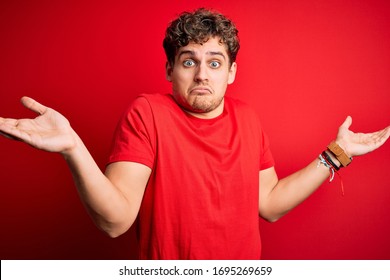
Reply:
x=303, y=65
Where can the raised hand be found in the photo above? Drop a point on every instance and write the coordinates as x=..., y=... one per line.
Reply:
x=356, y=144
x=49, y=131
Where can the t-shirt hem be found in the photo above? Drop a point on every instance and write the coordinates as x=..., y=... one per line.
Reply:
x=140, y=160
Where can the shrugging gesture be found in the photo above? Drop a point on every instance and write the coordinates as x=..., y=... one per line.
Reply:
x=112, y=201
x=356, y=144
x=49, y=131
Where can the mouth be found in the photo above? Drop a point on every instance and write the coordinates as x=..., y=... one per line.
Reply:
x=201, y=90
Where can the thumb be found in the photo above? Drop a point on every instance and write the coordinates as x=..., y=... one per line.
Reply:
x=347, y=123
x=33, y=105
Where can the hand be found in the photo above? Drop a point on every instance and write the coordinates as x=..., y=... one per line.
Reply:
x=356, y=144
x=50, y=131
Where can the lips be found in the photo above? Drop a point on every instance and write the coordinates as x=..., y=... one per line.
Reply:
x=201, y=90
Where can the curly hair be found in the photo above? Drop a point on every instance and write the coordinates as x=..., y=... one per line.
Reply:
x=198, y=27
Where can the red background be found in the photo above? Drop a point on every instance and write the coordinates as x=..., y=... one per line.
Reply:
x=304, y=65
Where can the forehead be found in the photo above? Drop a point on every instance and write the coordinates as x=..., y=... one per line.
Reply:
x=211, y=47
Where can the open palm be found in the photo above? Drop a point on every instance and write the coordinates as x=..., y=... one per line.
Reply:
x=49, y=131
x=356, y=144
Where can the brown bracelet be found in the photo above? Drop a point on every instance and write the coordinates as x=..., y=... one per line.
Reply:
x=339, y=153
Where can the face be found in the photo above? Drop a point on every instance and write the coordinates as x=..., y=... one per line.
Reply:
x=199, y=76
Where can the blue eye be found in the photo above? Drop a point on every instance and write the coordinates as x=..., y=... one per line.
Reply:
x=215, y=64
x=188, y=63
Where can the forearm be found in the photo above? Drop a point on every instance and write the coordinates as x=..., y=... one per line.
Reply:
x=289, y=192
x=104, y=202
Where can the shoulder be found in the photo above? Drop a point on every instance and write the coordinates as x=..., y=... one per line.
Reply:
x=245, y=114
x=149, y=102
x=154, y=98
x=240, y=107
x=153, y=101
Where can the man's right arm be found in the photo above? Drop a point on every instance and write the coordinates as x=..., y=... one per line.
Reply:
x=112, y=199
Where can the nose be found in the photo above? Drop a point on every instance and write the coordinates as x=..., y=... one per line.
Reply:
x=201, y=73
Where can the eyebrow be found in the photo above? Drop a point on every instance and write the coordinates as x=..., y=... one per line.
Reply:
x=192, y=53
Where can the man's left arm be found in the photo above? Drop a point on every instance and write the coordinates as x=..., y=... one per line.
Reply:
x=279, y=196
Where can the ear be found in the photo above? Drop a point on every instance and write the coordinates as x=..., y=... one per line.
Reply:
x=232, y=73
x=168, y=71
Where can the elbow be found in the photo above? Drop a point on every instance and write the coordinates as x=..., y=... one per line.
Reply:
x=271, y=212
x=113, y=232
x=112, y=227
x=270, y=218
x=269, y=215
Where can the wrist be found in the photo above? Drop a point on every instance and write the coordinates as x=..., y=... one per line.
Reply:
x=332, y=160
x=343, y=146
x=338, y=152
x=73, y=146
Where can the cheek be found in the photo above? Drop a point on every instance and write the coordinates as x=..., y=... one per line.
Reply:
x=182, y=81
x=221, y=81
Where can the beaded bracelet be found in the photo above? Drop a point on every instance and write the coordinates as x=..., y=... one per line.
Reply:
x=328, y=165
x=332, y=168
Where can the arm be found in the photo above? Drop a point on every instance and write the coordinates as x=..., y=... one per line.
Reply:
x=279, y=196
x=112, y=199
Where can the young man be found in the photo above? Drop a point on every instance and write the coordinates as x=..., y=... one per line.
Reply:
x=194, y=166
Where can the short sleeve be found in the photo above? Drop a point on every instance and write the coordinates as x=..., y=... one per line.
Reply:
x=266, y=158
x=134, y=137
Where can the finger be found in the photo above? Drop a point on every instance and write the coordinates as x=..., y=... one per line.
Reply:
x=384, y=134
x=377, y=139
x=33, y=105
x=347, y=123
x=387, y=132
x=9, y=136
x=9, y=129
x=8, y=122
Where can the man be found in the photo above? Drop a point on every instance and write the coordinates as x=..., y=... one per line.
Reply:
x=194, y=166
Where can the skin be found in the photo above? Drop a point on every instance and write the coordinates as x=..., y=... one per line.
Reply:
x=199, y=76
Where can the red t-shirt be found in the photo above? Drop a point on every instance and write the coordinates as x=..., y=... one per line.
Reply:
x=201, y=201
